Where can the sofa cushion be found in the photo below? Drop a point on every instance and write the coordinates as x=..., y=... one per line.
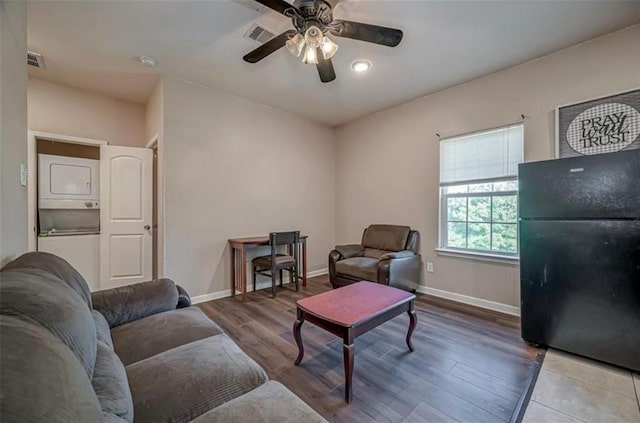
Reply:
x=271, y=402
x=110, y=384
x=39, y=297
x=364, y=268
x=41, y=379
x=58, y=267
x=180, y=384
x=103, y=333
x=151, y=335
x=386, y=237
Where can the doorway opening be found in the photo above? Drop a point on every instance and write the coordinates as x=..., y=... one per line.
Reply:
x=125, y=248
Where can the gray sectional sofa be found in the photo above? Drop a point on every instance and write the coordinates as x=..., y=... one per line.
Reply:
x=139, y=353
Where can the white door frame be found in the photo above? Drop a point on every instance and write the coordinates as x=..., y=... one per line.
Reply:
x=156, y=142
x=32, y=180
x=153, y=142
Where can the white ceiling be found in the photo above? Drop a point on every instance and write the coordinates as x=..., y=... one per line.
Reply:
x=94, y=45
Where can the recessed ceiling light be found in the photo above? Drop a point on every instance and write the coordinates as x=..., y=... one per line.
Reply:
x=361, y=65
x=148, y=61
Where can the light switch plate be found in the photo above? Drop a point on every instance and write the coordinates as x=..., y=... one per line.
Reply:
x=430, y=267
x=23, y=174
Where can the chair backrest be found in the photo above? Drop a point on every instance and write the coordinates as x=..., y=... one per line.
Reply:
x=413, y=242
x=386, y=237
x=291, y=239
x=284, y=238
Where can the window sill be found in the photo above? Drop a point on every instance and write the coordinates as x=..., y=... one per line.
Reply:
x=469, y=255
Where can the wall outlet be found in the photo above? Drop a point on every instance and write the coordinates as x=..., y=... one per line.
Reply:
x=430, y=267
x=23, y=175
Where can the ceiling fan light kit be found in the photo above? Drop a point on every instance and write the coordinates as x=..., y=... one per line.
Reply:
x=312, y=21
x=312, y=39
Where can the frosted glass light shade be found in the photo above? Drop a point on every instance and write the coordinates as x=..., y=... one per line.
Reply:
x=329, y=48
x=310, y=56
x=296, y=44
x=313, y=37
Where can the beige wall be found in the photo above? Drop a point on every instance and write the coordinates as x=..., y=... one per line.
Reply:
x=387, y=163
x=13, y=128
x=65, y=110
x=153, y=113
x=237, y=168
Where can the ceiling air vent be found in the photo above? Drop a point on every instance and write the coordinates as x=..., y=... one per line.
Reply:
x=258, y=33
x=35, y=59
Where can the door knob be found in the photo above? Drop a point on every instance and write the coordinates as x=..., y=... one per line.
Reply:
x=147, y=227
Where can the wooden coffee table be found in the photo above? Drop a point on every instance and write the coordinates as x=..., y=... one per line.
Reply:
x=350, y=311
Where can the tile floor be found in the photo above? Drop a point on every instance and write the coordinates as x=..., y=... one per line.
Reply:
x=572, y=389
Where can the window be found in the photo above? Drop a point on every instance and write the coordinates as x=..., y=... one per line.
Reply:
x=479, y=192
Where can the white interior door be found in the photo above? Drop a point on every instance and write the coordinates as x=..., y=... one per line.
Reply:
x=125, y=215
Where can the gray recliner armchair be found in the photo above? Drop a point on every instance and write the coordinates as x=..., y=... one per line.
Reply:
x=388, y=254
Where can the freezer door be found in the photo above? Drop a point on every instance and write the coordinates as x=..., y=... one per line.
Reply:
x=589, y=187
x=580, y=288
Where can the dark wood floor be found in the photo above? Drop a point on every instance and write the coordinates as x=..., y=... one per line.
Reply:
x=470, y=365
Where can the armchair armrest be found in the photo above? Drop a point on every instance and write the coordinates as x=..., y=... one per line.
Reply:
x=401, y=272
x=351, y=250
x=342, y=252
x=132, y=302
x=398, y=254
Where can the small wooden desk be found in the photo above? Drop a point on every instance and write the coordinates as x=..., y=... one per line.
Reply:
x=239, y=248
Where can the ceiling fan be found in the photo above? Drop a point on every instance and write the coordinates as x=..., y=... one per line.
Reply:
x=313, y=22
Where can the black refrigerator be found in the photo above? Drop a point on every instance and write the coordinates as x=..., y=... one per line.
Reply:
x=580, y=255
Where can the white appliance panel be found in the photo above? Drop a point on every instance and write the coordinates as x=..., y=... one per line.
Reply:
x=81, y=251
x=68, y=178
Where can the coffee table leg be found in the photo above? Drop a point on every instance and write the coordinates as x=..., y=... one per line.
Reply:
x=347, y=351
x=413, y=319
x=298, y=336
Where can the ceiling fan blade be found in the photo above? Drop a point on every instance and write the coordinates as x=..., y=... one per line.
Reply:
x=269, y=47
x=278, y=5
x=325, y=68
x=389, y=37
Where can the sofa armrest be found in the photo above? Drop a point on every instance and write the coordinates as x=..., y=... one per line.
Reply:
x=184, y=300
x=398, y=254
x=132, y=302
x=351, y=250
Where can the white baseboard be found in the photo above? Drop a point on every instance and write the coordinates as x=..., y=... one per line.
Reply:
x=320, y=272
x=260, y=285
x=209, y=297
x=465, y=299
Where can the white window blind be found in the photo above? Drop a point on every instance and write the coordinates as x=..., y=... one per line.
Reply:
x=481, y=156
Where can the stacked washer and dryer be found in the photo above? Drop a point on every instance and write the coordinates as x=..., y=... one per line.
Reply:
x=69, y=212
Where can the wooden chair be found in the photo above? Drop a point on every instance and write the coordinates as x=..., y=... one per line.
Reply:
x=269, y=265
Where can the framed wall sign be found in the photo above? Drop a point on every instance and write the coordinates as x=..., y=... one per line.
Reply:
x=603, y=125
